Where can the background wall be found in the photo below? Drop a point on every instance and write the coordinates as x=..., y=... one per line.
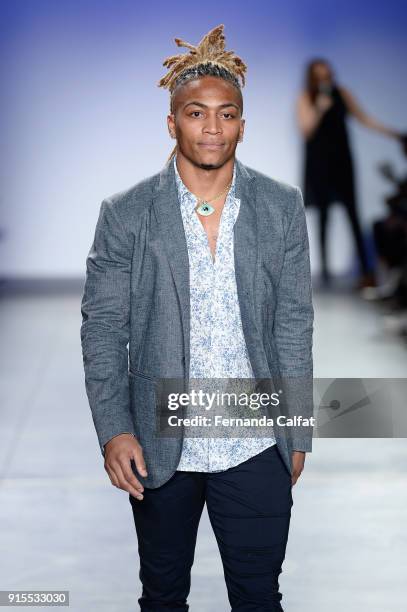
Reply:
x=82, y=116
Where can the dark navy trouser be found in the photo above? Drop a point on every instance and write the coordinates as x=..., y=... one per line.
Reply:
x=249, y=507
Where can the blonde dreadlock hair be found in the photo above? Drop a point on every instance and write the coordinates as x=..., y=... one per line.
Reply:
x=207, y=58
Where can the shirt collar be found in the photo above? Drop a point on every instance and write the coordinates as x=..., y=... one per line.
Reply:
x=188, y=200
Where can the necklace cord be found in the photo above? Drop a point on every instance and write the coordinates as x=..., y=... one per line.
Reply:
x=200, y=200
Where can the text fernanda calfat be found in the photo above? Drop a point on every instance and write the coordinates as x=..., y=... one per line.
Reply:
x=205, y=421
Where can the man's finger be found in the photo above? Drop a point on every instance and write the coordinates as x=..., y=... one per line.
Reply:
x=113, y=478
x=140, y=463
x=296, y=475
x=132, y=486
x=129, y=475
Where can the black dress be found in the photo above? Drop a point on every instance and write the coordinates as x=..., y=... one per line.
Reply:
x=329, y=177
x=328, y=167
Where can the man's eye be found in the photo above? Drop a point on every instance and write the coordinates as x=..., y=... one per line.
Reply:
x=230, y=115
x=194, y=112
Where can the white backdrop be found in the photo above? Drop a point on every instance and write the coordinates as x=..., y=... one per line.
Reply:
x=83, y=117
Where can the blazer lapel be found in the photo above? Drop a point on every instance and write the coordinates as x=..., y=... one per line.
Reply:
x=246, y=253
x=168, y=213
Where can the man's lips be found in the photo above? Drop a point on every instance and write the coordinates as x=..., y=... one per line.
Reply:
x=211, y=145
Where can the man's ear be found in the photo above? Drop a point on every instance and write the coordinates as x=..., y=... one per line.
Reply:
x=171, y=124
x=241, y=131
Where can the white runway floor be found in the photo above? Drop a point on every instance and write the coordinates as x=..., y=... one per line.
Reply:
x=64, y=526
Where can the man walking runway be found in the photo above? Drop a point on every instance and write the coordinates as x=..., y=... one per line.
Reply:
x=200, y=271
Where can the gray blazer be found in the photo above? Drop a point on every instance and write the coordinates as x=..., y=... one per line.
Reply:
x=135, y=307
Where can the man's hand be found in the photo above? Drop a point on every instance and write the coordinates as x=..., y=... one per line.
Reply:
x=119, y=451
x=298, y=465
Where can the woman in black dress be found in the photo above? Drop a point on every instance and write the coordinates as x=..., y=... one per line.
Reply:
x=322, y=108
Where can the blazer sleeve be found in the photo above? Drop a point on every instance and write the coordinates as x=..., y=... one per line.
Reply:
x=104, y=332
x=293, y=327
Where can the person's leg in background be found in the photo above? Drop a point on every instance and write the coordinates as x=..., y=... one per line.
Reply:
x=166, y=522
x=323, y=210
x=249, y=507
x=349, y=203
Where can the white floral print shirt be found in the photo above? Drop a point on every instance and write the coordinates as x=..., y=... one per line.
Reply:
x=217, y=344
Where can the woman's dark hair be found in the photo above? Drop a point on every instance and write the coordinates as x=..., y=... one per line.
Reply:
x=310, y=81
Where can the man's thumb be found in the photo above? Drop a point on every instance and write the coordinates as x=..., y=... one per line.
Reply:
x=140, y=464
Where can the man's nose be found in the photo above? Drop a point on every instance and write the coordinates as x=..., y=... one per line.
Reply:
x=212, y=125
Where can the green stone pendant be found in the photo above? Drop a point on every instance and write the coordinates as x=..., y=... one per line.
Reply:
x=205, y=209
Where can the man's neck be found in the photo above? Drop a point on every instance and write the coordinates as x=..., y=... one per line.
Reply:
x=203, y=182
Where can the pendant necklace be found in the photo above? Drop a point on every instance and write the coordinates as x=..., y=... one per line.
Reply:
x=204, y=208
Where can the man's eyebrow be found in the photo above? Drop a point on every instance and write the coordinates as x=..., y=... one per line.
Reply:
x=195, y=103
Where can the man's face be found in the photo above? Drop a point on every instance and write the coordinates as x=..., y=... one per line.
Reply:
x=206, y=121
